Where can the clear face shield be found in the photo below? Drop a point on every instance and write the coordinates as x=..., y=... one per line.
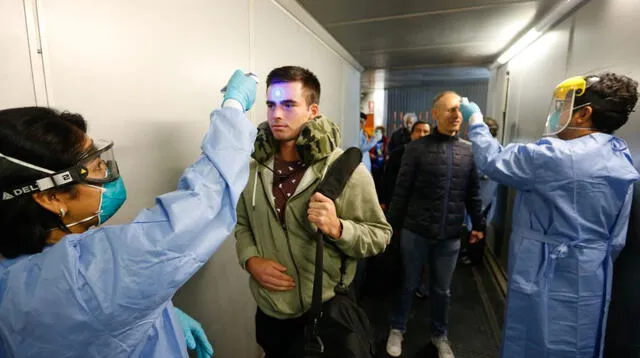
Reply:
x=562, y=104
x=96, y=167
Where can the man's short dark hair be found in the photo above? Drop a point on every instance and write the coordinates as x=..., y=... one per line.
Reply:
x=309, y=81
x=612, y=98
x=413, y=127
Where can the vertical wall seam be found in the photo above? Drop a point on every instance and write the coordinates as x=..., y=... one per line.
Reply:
x=31, y=59
x=570, y=45
x=42, y=52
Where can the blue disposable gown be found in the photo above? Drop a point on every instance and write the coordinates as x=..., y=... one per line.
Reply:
x=107, y=292
x=569, y=222
x=488, y=189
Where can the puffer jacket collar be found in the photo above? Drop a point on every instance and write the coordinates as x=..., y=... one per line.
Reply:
x=318, y=138
x=443, y=137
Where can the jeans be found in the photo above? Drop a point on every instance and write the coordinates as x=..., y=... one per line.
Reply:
x=441, y=255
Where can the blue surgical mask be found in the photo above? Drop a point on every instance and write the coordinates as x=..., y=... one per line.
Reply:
x=554, y=120
x=114, y=194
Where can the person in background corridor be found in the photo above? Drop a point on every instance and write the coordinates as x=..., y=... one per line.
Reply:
x=402, y=135
x=378, y=155
x=392, y=166
x=366, y=142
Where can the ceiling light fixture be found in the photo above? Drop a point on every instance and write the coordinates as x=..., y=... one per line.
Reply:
x=559, y=12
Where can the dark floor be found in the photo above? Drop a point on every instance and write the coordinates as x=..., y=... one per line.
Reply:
x=473, y=325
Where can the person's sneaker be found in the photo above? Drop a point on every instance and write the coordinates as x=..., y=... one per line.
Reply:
x=394, y=343
x=443, y=346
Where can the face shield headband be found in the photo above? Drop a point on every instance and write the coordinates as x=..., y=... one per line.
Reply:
x=569, y=96
x=96, y=166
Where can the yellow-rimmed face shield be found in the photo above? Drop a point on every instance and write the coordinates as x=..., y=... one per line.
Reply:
x=562, y=104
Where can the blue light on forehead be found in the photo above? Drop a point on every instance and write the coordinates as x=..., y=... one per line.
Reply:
x=278, y=93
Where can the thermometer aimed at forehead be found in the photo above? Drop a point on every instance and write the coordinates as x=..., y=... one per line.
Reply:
x=249, y=74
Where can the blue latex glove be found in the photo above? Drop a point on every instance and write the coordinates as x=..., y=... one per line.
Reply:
x=194, y=335
x=241, y=88
x=469, y=109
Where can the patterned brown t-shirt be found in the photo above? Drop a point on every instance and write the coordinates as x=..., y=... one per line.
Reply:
x=286, y=178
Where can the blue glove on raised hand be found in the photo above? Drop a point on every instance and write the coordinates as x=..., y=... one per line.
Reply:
x=194, y=335
x=468, y=110
x=242, y=89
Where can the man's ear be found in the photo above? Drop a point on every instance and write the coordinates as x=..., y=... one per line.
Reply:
x=315, y=110
x=50, y=201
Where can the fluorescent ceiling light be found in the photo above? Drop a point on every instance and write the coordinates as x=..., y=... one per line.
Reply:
x=520, y=45
x=562, y=9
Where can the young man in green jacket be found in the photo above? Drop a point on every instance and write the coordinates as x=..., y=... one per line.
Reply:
x=278, y=212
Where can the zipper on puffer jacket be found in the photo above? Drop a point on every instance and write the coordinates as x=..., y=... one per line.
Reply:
x=447, y=188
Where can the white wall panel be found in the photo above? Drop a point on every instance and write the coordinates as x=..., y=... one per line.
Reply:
x=16, y=83
x=146, y=79
x=350, y=106
x=534, y=74
x=605, y=39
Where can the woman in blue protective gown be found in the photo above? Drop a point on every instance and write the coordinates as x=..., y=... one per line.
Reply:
x=70, y=291
x=570, y=216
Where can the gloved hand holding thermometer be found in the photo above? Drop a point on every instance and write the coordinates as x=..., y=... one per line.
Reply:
x=470, y=111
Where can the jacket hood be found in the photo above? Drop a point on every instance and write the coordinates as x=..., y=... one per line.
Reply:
x=318, y=138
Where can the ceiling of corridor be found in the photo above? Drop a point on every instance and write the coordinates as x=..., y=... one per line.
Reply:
x=407, y=34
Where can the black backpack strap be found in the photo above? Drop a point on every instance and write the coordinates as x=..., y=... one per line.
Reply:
x=314, y=346
x=332, y=185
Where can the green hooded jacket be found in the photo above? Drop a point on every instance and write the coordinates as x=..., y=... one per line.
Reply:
x=259, y=233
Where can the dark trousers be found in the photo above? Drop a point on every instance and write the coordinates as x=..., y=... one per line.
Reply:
x=441, y=255
x=277, y=336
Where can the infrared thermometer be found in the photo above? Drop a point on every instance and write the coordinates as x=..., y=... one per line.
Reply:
x=249, y=74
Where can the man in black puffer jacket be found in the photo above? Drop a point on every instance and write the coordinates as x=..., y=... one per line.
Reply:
x=437, y=182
